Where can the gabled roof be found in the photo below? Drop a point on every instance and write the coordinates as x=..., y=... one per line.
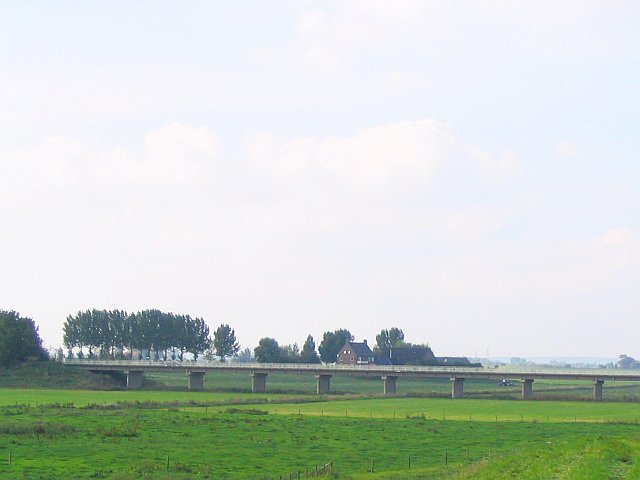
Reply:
x=361, y=349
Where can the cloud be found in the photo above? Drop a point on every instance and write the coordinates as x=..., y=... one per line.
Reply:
x=173, y=154
x=170, y=155
x=58, y=162
x=378, y=159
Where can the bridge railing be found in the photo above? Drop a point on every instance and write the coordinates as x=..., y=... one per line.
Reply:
x=337, y=368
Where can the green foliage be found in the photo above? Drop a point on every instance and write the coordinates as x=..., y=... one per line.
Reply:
x=289, y=354
x=107, y=333
x=267, y=351
x=19, y=339
x=386, y=339
x=224, y=342
x=308, y=353
x=331, y=344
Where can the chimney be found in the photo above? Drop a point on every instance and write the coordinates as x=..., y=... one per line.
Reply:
x=364, y=341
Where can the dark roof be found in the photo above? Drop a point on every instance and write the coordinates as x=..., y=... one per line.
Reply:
x=412, y=355
x=361, y=349
x=383, y=361
x=455, y=361
x=412, y=350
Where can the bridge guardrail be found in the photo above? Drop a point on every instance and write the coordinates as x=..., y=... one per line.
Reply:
x=313, y=367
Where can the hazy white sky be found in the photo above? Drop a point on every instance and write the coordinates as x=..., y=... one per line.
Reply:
x=466, y=171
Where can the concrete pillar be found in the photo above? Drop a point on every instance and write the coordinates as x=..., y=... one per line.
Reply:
x=196, y=381
x=389, y=384
x=597, y=390
x=457, y=387
x=323, y=384
x=527, y=389
x=134, y=378
x=258, y=382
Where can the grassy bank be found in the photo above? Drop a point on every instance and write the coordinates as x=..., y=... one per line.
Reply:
x=230, y=443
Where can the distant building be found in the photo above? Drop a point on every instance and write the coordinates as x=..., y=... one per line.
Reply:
x=355, y=353
x=422, y=355
x=412, y=355
x=456, y=362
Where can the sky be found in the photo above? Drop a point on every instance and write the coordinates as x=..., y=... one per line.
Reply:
x=466, y=171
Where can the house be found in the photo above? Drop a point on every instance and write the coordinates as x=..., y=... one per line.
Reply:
x=355, y=353
x=412, y=355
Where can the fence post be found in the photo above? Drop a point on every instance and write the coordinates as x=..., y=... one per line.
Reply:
x=167, y=463
x=409, y=463
x=373, y=465
x=446, y=458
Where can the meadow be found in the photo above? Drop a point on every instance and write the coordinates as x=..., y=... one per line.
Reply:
x=136, y=441
x=225, y=432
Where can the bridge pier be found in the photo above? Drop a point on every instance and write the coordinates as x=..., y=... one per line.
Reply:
x=597, y=390
x=527, y=389
x=457, y=387
x=389, y=384
x=323, y=384
x=196, y=380
x=134, y=378
x=258, y=382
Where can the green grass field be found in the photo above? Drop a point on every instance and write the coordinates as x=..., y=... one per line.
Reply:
x=52, y=442
x=225, y=432
x=35, y=397
x=467, y=409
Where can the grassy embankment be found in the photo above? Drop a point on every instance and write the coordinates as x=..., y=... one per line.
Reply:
x=441, y=438
x=223, y=442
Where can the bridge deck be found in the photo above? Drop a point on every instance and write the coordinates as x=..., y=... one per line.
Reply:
x=594, y=374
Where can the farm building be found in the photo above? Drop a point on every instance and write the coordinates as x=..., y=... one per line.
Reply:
x=412, y=355
x=456, y=362
x=422, y=355
x=355, y=353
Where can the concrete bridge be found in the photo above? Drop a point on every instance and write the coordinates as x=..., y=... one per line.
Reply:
x=389, y=374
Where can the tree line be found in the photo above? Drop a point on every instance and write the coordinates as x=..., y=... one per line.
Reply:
x=156, y=334
x=160, y=335
x=269, y=351
x=111, y=333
